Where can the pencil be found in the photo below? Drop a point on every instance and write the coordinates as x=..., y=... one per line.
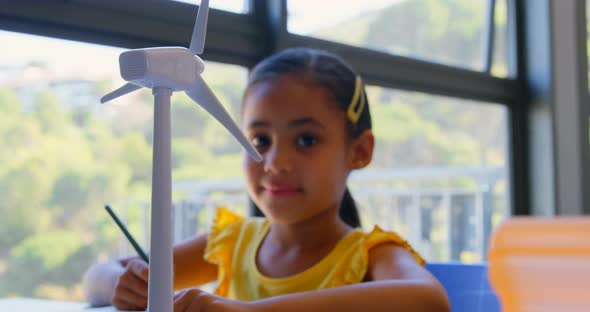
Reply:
x=140, y=251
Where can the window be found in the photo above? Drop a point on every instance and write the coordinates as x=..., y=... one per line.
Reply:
x=439, y=174
x=69, y=155
x=439, y=177
x=236, y=6
x=449, y=32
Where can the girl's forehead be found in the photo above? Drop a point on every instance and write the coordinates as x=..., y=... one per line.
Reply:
x=288, y=97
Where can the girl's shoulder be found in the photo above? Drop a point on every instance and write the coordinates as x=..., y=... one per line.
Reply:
x=378, y=237
x=389, y=256
x=359, y=248
x=352, y=260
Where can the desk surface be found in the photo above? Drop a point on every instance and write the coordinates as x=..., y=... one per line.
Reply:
x=40, y=305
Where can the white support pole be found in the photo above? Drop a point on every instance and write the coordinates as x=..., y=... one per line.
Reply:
x=160, y=290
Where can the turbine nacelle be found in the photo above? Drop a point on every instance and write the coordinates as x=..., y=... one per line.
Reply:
x=175, y=68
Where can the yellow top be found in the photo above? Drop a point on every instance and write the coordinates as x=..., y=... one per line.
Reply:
x=233, y=242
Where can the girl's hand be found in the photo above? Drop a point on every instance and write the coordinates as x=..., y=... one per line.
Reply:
x=195, y=300
x=131, y=289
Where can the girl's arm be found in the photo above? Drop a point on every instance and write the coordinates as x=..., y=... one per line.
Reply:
x=190, y=270
x=99, y=282
x=397, y=283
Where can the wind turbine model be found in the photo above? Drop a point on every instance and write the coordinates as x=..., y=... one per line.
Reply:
x=165, y=70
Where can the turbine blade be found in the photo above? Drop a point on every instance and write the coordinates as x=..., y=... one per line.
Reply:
x=126, y=88
x=201, y=94
x=200, y=30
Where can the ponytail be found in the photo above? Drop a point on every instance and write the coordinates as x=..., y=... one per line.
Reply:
x=254, y=210
x=348, y=212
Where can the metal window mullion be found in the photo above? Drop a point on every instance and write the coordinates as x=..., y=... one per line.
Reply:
x=513, y=28
x=488, y=43
x=518, y=119
x=405, y=73
x=272, y=16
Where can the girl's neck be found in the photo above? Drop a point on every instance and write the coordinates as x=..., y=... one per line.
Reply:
x=322, y=230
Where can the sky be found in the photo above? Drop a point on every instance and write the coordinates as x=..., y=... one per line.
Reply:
x=62, y=56
x=307, y=16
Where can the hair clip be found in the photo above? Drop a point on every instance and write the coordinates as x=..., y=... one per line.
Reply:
x=355, y=108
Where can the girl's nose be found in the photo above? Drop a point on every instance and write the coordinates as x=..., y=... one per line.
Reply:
x=277, y=161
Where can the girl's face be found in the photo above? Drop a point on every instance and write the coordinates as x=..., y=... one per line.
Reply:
x=300, y=132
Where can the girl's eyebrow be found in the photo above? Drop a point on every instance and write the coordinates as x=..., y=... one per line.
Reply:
x=306, y=121
x=258, y=124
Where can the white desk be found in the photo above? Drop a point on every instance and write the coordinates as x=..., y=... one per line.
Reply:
x=40, y=305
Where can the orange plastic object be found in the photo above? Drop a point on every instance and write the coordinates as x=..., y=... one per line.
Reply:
x=541, y=264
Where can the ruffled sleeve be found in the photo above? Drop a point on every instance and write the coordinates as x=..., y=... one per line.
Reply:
x=220, y=245
x=378, y=236
x=359, y=258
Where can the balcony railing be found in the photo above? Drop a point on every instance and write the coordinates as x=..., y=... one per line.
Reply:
x=446, y=213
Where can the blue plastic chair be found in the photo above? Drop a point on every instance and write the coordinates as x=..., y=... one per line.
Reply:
x=467, y=286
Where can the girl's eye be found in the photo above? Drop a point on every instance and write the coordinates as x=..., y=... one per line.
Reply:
x=307, y=140
x=260, y=141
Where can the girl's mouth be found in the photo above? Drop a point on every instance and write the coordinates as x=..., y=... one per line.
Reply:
x=282, y=190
